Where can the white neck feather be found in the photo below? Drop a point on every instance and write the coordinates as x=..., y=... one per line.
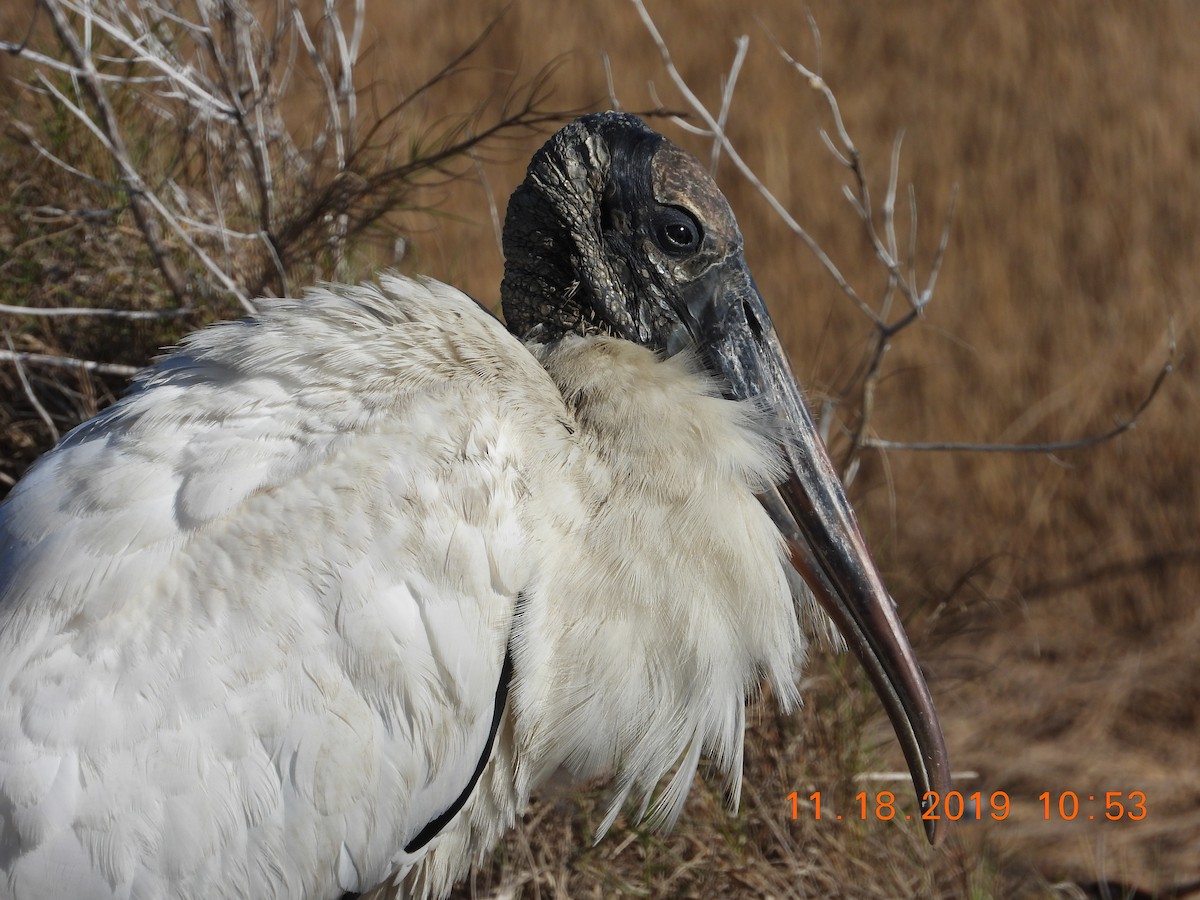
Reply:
x=659, y=534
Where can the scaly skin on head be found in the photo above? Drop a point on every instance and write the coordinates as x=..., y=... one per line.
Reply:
x=583, y=239
x=548, y=230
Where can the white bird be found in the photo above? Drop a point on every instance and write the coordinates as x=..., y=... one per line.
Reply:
x=321, y=601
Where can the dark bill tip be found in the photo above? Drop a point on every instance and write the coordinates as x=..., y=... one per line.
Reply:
x=848, y=588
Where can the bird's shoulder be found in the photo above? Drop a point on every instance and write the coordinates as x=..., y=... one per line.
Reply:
x=244, y=407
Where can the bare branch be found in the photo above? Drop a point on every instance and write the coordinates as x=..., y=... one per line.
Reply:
x=939, y=255
x=67, y=167
x=68, y=362
x=111, y=135
x=145, y=49
x=1045, y=447
x=99, y=313
x=729, y=82
x=21, y=46
x=192, y=186
x=886, y=246
x=882, y=233
x=28, y=388
x=717, y=134
x=613, y=102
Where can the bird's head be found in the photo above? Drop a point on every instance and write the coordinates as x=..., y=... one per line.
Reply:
x=617, y=231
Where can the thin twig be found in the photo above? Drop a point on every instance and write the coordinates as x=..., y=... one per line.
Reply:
x=205, y=100
x=1045, y=447
x=57, y=65
x=730, y=82
x=613, y=102
x=889, y=222
x=21, y=47
x=885, y=242
x=886, y=247
x=78, y=173
x=68, y=362
x=116, y=144
x=28, y=388
x=253, y=139
x=229, y=196
x=99, y=313
x=748, y=173
x=490, y=195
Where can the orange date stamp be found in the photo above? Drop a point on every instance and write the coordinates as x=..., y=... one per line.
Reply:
x=954, y=806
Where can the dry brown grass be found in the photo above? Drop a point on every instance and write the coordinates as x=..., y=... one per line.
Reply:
x=1052, y=599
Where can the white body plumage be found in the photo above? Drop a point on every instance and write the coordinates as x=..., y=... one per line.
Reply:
x=253, y=616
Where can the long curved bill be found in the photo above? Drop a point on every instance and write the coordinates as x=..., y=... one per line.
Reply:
x=822, y=535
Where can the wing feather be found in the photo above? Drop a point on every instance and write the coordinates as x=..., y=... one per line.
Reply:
x=252, y=617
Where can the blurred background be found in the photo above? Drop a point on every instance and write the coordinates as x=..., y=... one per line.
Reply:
x=1052, y=596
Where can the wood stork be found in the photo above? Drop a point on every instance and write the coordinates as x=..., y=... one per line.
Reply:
x=325, y=597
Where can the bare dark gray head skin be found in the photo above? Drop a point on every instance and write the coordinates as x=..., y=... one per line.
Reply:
x=613, y=225
x=617, y=231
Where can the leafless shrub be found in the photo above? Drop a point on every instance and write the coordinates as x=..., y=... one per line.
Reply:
x=209, y=151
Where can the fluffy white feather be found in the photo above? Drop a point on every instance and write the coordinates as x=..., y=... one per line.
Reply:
x=252, y=618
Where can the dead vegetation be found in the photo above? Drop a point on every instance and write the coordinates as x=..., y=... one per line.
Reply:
x=1052, y=597
x=168, y=163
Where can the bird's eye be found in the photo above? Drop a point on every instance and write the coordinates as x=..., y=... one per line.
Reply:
x=676, y=232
